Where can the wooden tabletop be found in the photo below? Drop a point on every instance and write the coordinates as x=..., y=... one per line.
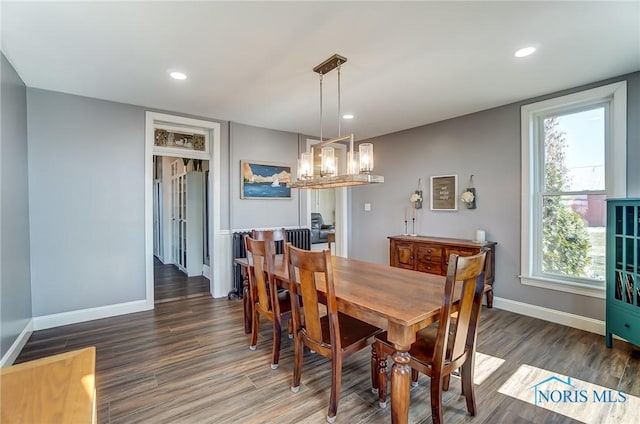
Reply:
x=380, y=294
x=55, y=389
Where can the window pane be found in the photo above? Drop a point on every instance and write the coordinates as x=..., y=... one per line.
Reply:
x=574, y=151
x=573, y=236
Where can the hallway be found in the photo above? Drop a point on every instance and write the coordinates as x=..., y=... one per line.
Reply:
x=172, y=284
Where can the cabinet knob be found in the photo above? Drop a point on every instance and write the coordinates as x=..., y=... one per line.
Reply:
x=411, y=257
x=627, y=326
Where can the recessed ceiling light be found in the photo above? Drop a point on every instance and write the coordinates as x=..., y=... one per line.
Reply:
x=347, y=116
x=524, y=52
x=178, y=75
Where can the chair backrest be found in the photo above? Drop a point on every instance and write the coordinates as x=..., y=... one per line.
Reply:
x=278, y=236
x=469, y=272
x=261, y=281
x=305, y=267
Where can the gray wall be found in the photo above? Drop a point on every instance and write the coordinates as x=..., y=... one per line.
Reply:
x=86, y=167
x=486, y=144
x=86, y=193
x=260, y=144
x=15, y=275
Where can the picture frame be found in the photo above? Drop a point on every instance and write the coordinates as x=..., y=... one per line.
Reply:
x=444, y=193
x=170, y=140
x=264, y=180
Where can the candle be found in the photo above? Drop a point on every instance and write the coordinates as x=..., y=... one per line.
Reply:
x=480, y=235
x=405, y=213
x=414, y=214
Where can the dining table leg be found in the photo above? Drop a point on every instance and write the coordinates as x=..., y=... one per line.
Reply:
x=400, y=377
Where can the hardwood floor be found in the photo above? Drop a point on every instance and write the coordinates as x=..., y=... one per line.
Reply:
x=189, y=362
x=172, y=284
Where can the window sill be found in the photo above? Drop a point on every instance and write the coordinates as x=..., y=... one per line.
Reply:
x=575, y=288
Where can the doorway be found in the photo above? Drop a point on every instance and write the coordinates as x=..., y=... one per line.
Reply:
x=323, y=217
x=331, y=197
x=181, y=250
x=204, y=147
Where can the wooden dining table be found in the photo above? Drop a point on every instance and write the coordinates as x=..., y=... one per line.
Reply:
x=397, y=300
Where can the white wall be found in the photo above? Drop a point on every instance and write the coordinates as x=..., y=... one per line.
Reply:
x=15, y=274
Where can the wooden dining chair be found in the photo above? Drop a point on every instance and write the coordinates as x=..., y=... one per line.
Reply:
x=278, y=236
x=437, y=352
x=334, y=335
x=265, y=298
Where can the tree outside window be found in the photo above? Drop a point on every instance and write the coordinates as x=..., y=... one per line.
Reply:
x=573, y=220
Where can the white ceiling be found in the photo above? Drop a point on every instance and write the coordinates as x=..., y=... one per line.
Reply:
x=409, y=63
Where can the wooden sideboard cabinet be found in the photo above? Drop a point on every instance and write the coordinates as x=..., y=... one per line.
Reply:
x=431, y=255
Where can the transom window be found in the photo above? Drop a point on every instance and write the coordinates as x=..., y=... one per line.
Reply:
x=574, y=157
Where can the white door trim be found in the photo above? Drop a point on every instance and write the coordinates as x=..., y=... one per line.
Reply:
x=213, y=156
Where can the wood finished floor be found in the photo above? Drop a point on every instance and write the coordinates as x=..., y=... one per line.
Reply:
x=188, y=362
x=172, y=284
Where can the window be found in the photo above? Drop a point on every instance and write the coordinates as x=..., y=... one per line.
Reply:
x=573, y=158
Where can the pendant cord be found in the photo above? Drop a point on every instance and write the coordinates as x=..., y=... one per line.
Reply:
x=321, y=107
x=339, y=133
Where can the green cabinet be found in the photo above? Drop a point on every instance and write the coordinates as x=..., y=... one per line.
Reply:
x=623, y=272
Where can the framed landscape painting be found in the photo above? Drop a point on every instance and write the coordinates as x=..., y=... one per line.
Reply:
x=264, y=180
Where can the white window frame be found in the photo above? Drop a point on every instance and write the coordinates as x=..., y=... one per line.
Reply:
x=615, y=96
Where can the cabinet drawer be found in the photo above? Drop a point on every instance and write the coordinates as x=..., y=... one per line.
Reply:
x=430, y=267
x=429, y=254
x=623, y=323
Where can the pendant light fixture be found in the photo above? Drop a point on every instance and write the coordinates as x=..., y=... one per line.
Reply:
x=359, y=166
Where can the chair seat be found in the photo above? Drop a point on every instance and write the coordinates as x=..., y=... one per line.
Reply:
x=352, y=331
x=422, y=349
x=284, y=299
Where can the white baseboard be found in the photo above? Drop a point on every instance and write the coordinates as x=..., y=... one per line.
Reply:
x=559, y=317
x=17, y=345
x=73, y=317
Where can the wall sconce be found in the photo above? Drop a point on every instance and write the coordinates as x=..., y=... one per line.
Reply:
x=469, y=195
x=416, y=197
